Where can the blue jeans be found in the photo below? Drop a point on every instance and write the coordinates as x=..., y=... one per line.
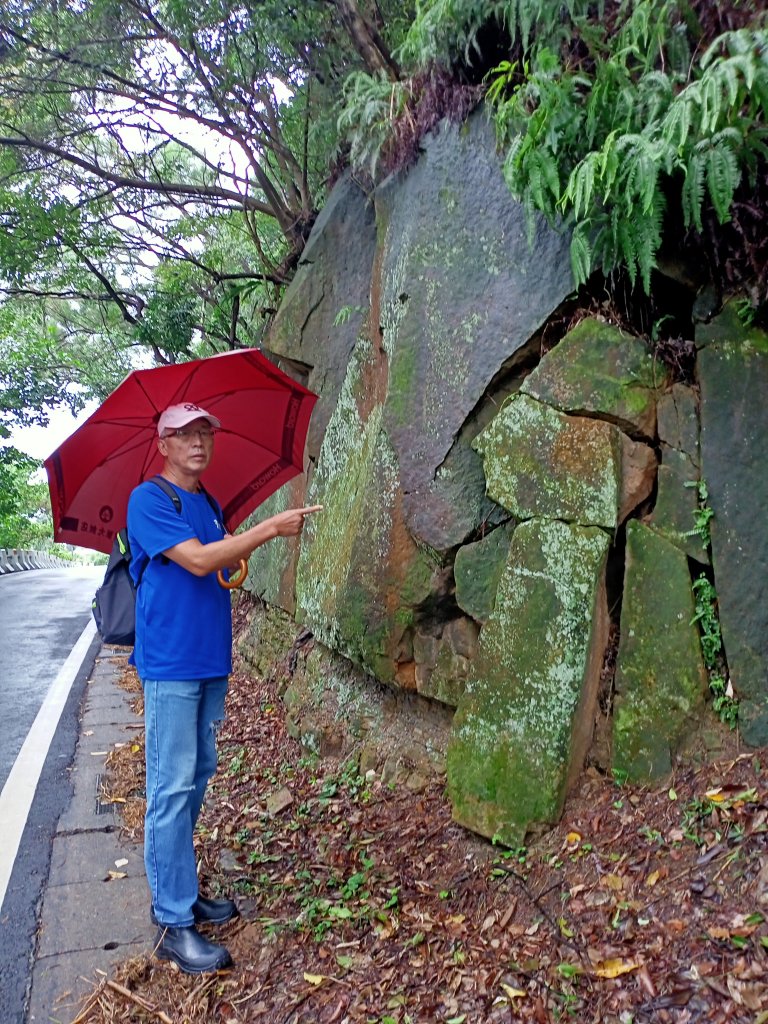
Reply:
x=180, y=719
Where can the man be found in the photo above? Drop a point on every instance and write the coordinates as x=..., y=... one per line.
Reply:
x=183, y=655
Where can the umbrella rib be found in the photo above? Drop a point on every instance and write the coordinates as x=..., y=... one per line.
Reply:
x=147, y=395
x=126, y=448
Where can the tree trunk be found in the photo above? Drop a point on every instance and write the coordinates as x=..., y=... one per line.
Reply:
x=367, y=39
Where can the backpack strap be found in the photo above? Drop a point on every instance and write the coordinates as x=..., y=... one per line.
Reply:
x=214, y=505
x=166, y=488
x=121, y=538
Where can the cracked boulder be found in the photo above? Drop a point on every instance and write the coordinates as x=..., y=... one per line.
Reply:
x=599, y=370
x=523, y=726
x=540, y=462
x=461, y=292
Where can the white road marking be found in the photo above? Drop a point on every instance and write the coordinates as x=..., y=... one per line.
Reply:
x=21, y=784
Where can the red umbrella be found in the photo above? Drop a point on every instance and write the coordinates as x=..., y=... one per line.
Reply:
x=264, y=419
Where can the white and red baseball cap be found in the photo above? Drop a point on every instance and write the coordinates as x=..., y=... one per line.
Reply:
x=177, y=416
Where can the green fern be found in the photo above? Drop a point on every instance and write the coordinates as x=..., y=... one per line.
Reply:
x=723, y=175
x=444, y=30
x=581, y=253
x=371, y=105
x=693, y=191
x=594, y=143
x=631, y=127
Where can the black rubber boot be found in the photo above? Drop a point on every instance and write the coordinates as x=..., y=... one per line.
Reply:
x=208, y=911
x=193, y=953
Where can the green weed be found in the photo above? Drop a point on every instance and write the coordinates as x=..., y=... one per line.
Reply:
x=725, y=705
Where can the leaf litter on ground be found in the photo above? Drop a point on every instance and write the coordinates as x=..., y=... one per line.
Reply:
x=364, y=902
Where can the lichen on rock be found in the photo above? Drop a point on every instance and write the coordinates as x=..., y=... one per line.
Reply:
x=519, y=731
x=599, y=369
x=540, y=462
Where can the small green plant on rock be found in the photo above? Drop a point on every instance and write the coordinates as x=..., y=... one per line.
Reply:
x=725, y=705
x=703, y=514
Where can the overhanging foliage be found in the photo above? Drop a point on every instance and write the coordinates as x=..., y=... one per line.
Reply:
x=613, y=119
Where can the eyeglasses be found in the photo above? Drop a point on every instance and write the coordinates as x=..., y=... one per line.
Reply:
x=186, y=435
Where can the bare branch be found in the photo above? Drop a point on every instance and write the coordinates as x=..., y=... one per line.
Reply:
x=140, y=184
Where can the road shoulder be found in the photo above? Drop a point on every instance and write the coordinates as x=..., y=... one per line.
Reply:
x=89, y=917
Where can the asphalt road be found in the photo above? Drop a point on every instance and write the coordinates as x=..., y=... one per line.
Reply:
x=43, y=613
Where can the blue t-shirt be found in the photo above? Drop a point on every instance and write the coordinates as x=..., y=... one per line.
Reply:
x=183, y=621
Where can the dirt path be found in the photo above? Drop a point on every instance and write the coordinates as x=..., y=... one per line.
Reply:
x=365, y=903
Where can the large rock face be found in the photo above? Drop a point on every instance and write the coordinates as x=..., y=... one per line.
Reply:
x=733, y=373
x=457, y=307
x=476, y=491
x=399, y=481
x=524, y=724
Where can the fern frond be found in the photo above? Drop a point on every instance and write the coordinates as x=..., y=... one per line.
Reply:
x=581, y=254
x=609, y=164
x=513, y=167
x=676, y=123
x=739, y=41
x=723, y=177
x=693, y=190
x=580, y=190
x=627, y=248
x=648, y=233
x=656, y=94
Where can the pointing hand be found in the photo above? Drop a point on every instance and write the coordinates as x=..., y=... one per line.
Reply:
x=291, y=522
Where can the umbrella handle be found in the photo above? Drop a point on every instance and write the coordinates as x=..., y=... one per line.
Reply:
x=234, y=581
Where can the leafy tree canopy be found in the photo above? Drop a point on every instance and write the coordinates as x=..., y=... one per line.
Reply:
x=161, y=165
x=25, y=508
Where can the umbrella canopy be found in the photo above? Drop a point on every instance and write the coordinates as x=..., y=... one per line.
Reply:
x=260, y=446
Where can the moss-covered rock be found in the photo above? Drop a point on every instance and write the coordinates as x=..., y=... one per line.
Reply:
x=523, y=725
x=598, y=369
x=660, y=676
x=540, y=462
x=360, y=575
x=477, y=570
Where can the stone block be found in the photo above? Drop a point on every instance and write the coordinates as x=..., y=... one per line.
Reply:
x=524, y=723
x=660, y=677
x=600, y=370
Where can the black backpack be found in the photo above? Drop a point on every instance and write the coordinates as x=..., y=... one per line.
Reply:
x=114, y=603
